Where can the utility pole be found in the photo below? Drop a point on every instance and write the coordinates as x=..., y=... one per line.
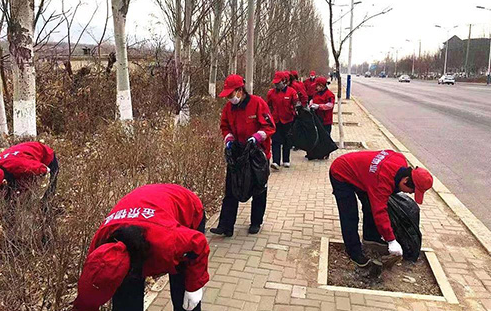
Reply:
x=250, y=47
x=446, y=45
x=467, y=53
x=348, y=80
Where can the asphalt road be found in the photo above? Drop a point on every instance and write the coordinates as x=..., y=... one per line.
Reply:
x=446, y=127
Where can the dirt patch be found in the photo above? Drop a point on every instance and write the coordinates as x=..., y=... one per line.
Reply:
x=407, y=277
x=308, y=262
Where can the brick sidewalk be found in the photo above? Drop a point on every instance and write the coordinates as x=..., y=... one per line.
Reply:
x=277, y=269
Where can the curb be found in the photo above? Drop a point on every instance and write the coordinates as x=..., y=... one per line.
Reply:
x=475, y=226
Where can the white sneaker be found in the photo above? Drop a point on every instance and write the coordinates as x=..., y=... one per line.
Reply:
x=275, y=166
x=286, y=164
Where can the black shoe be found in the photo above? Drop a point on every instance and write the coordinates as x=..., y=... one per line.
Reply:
x=221, y=231
x=254, y=229
x=375, y=242
x=360, y=261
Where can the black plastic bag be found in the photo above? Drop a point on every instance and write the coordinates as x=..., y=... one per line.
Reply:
x=304, y=133
x=325, y=144
x=404, y=216
x=248, y=170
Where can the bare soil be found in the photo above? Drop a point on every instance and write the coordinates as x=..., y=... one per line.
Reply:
x=405, y=276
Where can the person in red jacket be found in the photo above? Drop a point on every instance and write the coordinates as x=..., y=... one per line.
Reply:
x=323, y=103
x=21, y=164
x=153, y=230
x=310, y=85
x=373, y=176
x=299, y=87
x=245, y=118
x=282, y=100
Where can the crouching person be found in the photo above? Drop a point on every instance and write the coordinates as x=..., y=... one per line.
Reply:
x=21, y=164
x=373, y=176
x=154, y=230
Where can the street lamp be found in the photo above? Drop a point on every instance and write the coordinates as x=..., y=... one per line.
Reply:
x=414, y=52
x=446, y=45
x=350, y=49
x=488, y=81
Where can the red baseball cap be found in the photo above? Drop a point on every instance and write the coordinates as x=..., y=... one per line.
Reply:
x=294, y=73
x=321, y=81
x=422, y=181
x=312, y=73
x=2, y=175
x=232, y=83
x=278, y=76
x=103, y=272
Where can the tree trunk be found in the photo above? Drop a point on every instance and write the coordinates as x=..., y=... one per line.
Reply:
x=3, y=118
x=217, y=11
x=250, y=47
x=20, y=35
x=340, y=106
x=232, y=62
x=184, y=89
x=123, y=98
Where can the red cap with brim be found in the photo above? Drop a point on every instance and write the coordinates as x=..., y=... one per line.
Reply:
x=422, y=182
x=232, y=83
x=103, y=272
x=321, y=81
x=278, y=77
x=294, y=73
x=2, y=175
x=312, y=73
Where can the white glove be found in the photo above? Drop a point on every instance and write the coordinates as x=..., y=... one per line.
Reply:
x=252, y=140
x=395, y=248
x=191, y=299
x=314, y=106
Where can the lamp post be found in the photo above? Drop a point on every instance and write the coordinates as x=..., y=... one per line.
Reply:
x=348, y=80
x=488, y=82
x=446, y=45
x=414, y=52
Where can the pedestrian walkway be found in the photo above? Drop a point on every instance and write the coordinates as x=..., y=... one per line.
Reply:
x=277, y=269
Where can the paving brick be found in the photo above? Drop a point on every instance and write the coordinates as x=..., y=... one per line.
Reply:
x=343, y=303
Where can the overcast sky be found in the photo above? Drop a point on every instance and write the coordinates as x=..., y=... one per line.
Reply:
x=409, y=20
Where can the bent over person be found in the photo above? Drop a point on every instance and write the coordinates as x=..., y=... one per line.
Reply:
x=22, y=163
x=373, y=176
x=153, y=230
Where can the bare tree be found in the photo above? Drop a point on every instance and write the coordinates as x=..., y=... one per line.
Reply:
x=336, y=52
x=217, y=12
x=232, y=63
x=123, y=99
x=3, y=117
x=19, y=15
x=250, y=47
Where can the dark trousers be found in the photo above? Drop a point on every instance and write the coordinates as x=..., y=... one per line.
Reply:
x=328, y=128
x=279, y=139
x=129, y=296
x=53, y=179
x=348, y=215
x=230, y=205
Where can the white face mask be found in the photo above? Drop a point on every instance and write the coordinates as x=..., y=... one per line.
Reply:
x=312, y=77
x=235, y=100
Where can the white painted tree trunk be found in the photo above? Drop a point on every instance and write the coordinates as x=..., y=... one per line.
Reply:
x=232, y=62
x=3, y=118
x=123, y=98
x=250, y=47
x=217, y=11
x=20, y=35
x=185, y=88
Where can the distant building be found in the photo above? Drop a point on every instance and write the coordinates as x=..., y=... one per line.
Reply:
x=457, y=49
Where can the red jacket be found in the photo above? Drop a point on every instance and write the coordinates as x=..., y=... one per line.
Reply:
x=170, y=215
x=373, y=172
x=309, y=87
x=26, y=159
x=282, y=104
x=250, y=118
x=325, y=99
x=301, y=92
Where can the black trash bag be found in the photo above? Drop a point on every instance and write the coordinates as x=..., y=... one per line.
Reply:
x=248, y=170
x=325, y=144
x=304, y=133
x=404, y=216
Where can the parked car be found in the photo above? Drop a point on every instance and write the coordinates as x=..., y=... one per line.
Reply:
x=382, y=75
x=447, y=79
x=368, y=74
x=405, y=78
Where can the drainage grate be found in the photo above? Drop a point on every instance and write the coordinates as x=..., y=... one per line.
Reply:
x=348, y=113
x=354, y=145
x=347, y=123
